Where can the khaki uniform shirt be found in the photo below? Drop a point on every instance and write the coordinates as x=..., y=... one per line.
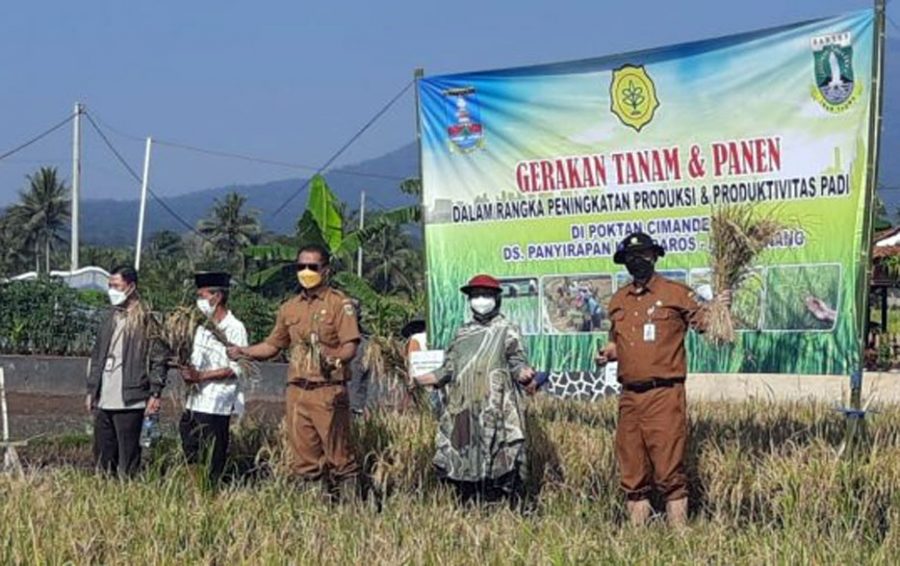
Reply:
x=314, y=325
x=649, y=326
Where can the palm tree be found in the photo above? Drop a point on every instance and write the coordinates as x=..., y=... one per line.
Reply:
x=166, y=243
x=41, y=213
x=12, y=256
x=391, y=261
x=107, y=258
x=228, y=229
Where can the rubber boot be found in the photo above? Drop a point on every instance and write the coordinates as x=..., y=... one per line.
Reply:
x=639, y=512
x=676, y=513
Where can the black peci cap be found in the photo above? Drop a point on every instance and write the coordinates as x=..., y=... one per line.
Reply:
x=212, y=279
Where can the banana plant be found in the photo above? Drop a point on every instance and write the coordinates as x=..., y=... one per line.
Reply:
x=322, y=223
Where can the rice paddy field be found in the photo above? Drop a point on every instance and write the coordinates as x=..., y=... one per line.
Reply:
x=790, y=288
x=770, y=484
x=524, y=311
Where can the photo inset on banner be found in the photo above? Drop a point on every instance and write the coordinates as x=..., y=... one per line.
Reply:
x=802, y=297
x=521, y=302
x=576, y=303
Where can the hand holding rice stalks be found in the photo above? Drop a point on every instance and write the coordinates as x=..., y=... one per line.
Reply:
x=249, y=368
x=178, y=330
x=738, y=234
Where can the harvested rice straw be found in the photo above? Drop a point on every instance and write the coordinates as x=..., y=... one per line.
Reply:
x=738, y=234
x=139, y=315
x=249, y=369
x=385, y=358
x=178, y=330
x=178, y=334
x=305, y=355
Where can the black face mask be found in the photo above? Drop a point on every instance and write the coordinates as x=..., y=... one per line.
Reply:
x=640, y=268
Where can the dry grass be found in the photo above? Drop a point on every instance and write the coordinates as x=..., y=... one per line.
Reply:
x=738, y=234
x=177, y=333
x=768, y=487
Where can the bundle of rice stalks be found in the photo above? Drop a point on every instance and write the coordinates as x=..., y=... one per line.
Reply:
x=140, y=316
x=385, y=358
x=177, y=333
x=306, y=355
x=738, y=233
x=249, y=369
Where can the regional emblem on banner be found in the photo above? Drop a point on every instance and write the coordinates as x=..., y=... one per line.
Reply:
x=465, y=130
x=633, y=96
x=835, y=87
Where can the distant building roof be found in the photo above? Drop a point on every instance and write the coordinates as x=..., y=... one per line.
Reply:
x=84, y=278
x=887, y=238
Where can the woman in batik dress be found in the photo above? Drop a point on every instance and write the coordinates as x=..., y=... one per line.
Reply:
x=480, y=445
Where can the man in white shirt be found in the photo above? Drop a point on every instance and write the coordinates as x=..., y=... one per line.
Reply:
x=212, y=379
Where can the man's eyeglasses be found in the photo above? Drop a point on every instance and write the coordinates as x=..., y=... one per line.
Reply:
x=309, y=266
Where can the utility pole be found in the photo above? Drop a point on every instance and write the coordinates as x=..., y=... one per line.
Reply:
x=145, y=181
x=76, y=185
x=362, y=220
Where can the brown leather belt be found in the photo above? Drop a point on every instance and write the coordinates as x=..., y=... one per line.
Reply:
x=308, y=385
x=644, y=386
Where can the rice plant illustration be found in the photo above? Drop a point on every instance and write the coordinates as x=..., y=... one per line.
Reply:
x=633, y=96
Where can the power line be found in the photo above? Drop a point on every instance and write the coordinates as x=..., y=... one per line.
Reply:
x=39, y=161
x=241, y=156
x=156, y=197
x=344, y=147
x=266, y=161
x=37, y=138
x=137, y=177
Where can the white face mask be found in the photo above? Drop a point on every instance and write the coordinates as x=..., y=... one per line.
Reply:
x=483, y=305
x=205, y=307
x=116, y=297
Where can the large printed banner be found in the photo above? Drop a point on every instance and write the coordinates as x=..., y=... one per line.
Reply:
x=534, y=174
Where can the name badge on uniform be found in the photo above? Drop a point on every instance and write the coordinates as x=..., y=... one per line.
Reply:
x=110, y=363
x=649, y=332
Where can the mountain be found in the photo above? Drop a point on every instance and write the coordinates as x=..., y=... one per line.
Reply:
x=111, y=222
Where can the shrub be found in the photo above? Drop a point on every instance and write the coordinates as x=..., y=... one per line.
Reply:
x=45, y=317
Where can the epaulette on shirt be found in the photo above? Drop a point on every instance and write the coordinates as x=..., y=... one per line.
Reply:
x=346, y=301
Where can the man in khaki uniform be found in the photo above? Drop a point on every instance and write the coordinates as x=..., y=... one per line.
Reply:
x=319, y=329
x=650, y=319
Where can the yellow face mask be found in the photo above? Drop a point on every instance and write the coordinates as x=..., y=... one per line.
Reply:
x=309, y=279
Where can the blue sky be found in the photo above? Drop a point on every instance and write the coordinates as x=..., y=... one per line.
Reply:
x=292, y=81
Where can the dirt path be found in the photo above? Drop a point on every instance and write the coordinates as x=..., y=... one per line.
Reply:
x=52, y=415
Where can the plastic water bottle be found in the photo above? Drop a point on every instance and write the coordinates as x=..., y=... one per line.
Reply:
x=150, y=430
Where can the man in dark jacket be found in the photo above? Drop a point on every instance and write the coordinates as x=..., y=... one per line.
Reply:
x=126, y=375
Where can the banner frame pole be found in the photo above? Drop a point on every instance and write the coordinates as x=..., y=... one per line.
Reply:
x=866, y=267
x=418, y=74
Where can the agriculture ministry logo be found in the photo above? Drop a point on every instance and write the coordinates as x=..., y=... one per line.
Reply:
x=835, y=87
x=465, y=130
x=633, y=96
